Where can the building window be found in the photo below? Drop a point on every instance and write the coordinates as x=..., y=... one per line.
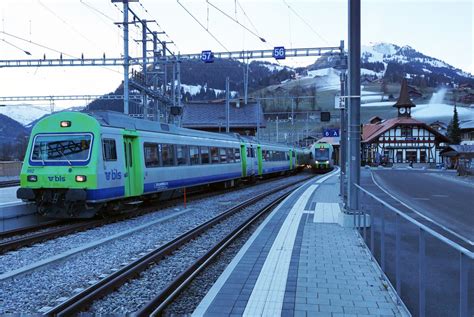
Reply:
x=407, y=131
x=411, y=156
x=110, y=150
x=399, y=156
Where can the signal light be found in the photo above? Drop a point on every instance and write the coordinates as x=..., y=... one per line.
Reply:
x=32, y=178
x=81, y=178
x=65, y=124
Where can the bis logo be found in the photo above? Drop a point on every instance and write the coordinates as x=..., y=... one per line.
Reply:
x=113, y=175
x=57, y=178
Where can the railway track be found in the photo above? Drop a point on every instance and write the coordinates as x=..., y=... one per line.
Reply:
x=4, y=184
x=27, y=239
x=107, y=285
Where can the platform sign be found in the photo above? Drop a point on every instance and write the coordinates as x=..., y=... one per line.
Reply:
x=340, y=102
x=334, y=133
x=279, y=52
x=207, y=57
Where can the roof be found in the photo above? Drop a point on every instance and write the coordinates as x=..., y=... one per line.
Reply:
x=373, y=131
x=466, y=125
x=454, y=150
x=404, y=98
x=330, y=140
x=120, y=120
x=203, y=115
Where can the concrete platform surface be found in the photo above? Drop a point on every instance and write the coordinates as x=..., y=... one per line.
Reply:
x=301, y=262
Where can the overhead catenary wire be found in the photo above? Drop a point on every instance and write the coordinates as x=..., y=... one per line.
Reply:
x=13, y=45
x=304, y=21
x=209, y=32
x=237, y=21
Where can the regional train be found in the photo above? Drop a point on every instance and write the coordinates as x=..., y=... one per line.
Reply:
x=79, y=164
x=320, y=157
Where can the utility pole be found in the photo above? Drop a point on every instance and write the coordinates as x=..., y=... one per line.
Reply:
x=354, y=105
x=227, y=105
x=246, y=81
x=343, y=139
x=144, y=70
x=277, y=129
x=125, y=56
x=155, y=80
x=258, y=119
x=292, y=121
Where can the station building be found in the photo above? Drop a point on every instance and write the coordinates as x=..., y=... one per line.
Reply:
x=401, y=140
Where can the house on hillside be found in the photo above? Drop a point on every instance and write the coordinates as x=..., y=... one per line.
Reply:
x=460, y=157
x=467, y=131
x=401, y=140
x=211, y=116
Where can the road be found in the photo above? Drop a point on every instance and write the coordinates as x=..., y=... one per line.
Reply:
x=421, y=195
x=446, y=201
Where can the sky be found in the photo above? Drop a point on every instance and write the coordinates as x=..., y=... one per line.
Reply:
x=439, y=28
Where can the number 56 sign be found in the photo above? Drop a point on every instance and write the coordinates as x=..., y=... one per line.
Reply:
x=279, y=52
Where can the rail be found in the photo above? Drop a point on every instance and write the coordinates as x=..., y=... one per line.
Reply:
x=464, y=254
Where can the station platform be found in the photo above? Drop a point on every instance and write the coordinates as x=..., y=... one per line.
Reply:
x=302, y=262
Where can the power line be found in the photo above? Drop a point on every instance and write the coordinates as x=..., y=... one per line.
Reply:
x=11, y=44
x=65, y=22
x=195, y=19
x=248, y=19
x=37, y=44
x=304, y=21
x=237, y=21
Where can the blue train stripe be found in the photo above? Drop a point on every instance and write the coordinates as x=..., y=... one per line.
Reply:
x=276, y=169
x=105, y=193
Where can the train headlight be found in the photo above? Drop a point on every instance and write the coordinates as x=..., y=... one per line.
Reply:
x=81, y=178
x=65, y=124
x=32, y=178
x=327, y=162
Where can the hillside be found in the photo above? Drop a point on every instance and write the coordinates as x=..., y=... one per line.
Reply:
x=13, y=138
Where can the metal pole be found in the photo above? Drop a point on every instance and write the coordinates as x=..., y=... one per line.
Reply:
x=227, y=105
x=155, y=82
x=165, y=70
x=354, y=103
x=144, y=70
x=343, y=143
x=178, y=75
x=246, y=81
x=258, y=120
x=292, y=121
x=277, y=138
x=125, y=56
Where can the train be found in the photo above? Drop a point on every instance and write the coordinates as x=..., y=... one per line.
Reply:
x=321, y=157
x=78, y=164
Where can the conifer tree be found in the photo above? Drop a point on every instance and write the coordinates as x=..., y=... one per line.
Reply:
x=454, y=132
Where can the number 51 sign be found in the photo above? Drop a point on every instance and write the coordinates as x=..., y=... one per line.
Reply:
x=279, y=52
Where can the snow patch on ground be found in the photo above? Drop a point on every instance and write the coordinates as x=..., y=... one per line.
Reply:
x=273, y=67
x=441, y=110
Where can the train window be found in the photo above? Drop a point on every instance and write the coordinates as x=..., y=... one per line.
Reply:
x=223, y=155
x=109, y=150
x=194, y=155
x=214, y=155
x=181, y=154
x=237, y=155
x=150, y=151
x=167, y=154
x=230, y=155
x=204, y=155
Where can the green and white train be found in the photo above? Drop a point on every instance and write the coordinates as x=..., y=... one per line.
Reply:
x=321, y=157
x=80, y=164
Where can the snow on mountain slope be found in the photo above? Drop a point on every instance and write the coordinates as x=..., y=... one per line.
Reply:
x=25, y=114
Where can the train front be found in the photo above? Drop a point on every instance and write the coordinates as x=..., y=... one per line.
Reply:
x=322, y=157
x=60, y=165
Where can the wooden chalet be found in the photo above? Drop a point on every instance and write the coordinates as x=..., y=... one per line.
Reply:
x=401, y=140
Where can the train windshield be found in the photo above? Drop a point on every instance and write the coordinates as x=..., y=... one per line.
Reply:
x=321, y=154
x=62, y=147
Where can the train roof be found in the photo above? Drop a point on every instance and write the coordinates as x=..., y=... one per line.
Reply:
x=119, y=120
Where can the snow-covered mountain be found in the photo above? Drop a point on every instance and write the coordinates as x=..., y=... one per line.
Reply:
x=25, y=113
x=393, y=62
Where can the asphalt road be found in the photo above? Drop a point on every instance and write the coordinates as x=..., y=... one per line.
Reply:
x=447, y=202
x=425, y=193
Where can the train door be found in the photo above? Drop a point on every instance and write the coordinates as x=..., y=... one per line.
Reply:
x=133, y=177
x=291, y=159
x=260, y=160
x=243, y=157
x=251, y=161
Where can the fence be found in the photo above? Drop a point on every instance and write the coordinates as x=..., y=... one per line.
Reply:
x=10, y=168
x=397, y=240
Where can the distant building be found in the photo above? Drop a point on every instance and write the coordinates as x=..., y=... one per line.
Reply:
x=440, y=126
x=460, y=157
x=401, y=140
x=211, y=116
x=467, y=131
